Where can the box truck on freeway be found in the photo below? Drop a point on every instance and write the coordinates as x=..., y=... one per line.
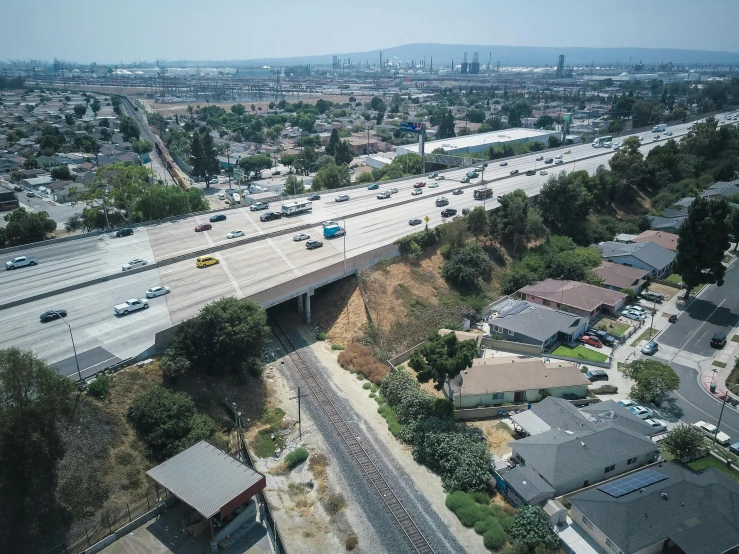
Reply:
x=659, y=128
x=333, y=231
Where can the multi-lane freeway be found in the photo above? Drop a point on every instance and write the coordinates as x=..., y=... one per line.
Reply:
x=266, y=256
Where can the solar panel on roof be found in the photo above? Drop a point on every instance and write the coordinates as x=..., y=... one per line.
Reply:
x=631, y=483
x=517, y=309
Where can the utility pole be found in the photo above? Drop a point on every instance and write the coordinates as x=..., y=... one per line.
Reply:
x=300, y=428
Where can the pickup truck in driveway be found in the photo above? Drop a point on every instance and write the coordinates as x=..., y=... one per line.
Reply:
x=20, y=261
x=130, y=306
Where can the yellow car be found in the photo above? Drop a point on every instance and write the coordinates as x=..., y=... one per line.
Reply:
x=204, y=261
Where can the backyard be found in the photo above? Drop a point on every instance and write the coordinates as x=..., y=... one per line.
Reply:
x=579, y=352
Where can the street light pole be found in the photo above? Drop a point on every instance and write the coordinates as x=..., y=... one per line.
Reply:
x=343, y=222
x=723, y=405
x=74, y=348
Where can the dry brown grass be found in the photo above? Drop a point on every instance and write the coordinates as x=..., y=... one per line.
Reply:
x=357, y=358
x=339, y=311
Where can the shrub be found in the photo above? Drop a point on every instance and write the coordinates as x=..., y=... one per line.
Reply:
x=468, y=514
x=506, y=522
x=494, y=538
x=173, y=365
x=334, y=503
x=296, y=457
x=367, y=386
x=337, y=347
x=358, y=358
x=352, y=542
x=321, y=336
x=100, y=387
x=481, y=497
x=484, y=525
x=457, y=500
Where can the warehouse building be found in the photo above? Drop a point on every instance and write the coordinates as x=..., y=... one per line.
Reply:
x=482, y=141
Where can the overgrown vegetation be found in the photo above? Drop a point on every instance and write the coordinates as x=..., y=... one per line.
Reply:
x=357, y=358
x=296, y=457
x=489, y=520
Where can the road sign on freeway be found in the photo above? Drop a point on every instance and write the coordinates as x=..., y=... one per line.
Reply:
x=427, y=219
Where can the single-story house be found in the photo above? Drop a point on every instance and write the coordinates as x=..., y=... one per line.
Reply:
x=512, y=379
x=664, y=239
x=666, y=508
x=722, y=189
x=570, y=460
x=128, y=158
x=649, y=256
x=668, y=224
x=573, y=296
x=7, y=166
x=529, y=323
x=617, y=276
x=60, y=191
x=38, y=181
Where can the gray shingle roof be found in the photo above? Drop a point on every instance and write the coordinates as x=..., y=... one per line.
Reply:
x=205, y=477
x=527, y=483
x=644, y=517
x=537, y=322
x=650, y=253
x=560, y=456
x=667, y=223
x=613, y=412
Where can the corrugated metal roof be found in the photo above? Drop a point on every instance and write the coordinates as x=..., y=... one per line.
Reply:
x=205, y=477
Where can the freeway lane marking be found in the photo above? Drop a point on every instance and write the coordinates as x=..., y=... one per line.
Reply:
x=210, y=242
x=250, y=220
x=698, y=329
x=279, y=252
x=230, y=276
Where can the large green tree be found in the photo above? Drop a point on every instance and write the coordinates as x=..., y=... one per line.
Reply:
x=703, y=238
x=628, y=165
x=24, y=227
x=684, y=442
x=333, y=142
x=467, y=265
x=159, y=201
x=117, y=188
x=653, y=380
x=533, y=531
x=293, y=185
x=516, y=220
x=212, y=166
x=442, y=357
x=331, y=176
x=225, y=337
x=128, y=128
x=343, y=154
x=35, y=401
x=562, y=196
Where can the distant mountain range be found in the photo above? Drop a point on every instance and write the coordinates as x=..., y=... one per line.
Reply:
x=443, y=54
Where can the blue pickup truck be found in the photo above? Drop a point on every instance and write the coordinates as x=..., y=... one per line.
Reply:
x=333, y=231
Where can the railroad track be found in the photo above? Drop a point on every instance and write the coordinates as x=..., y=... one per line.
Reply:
x=391, y=502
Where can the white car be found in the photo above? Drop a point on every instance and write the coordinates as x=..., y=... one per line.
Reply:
x=234, y=234
x=221, y=197
x=657, y=425
x=710, y=430
x=543, y=172
x=258, y=206
x=634, y=315
x=300, y=236
x=153, y=292
x=129, y=306
x=635, y=308
x=558, y=162
x=416, y=192
x=433, y=185
x=641, y=412
x=393, y=191
x=503, y=164
x=133, y=264
x=558, y=156
x=342, y=198
x=626, y=403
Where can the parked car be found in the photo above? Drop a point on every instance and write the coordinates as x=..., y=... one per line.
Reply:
x=587, y=339
x=449, y=212
x=314, y=197
x=641, y=412
x=656, y=425
x=235, y=234
x=51, y=315
x=650, y=348
x=652, y=297
x=205, y=261
x=637, y=308
x=718, y=340
x=300, y=236
x=133, y=264
x=605, y=338
x=124, y=232
x=31, y=194
x=342, y=198
x=602, y=387
x=414, y=221
x=203, y=227
x=634, y=315
x=153, y=292
x=710, y=430
x=313, y=244
x=626, y=403
x=734, y=448
x=217, y=217
x=596, y=375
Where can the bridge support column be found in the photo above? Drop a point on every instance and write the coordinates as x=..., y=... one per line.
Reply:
x=300, y=303
x=307, y=306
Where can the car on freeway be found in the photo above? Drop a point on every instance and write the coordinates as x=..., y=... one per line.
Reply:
x=655, y=138
x=465, y=180
x=419, y=185
x=441, y=201
x=416, y=192
x=668, y=133
x=313, y=244
x=133, y=264
x=558, y=156
x=568, y=151
x=543, y=172
x=203, y=227
x=17, y=188
x=592, y=341
x=641, y=412
x=414, y=221
x=457, y=192
x=314, y=197
x=441, y=177
x=269, y=216
x=449, y=212
x=51, y=315
x=558, y=162
x=531, y=172
x=656, y=425
x=626, y=403
x=434, y=176
x=217, y=217
x=465, y=211
x=373, y=186
x=650, y=348
x=258, y=206
x=634, y=315
x=503, y=164
x=124, y=232
x=300, y=236
x=153, y=292
x=433, y=185
x=205, y=261
x=690, y=127
x=329, y=223
x=710, y=430
x=514, y=171
x=20, y=261
x=596, y=375
x=234, y=234
x=131, y=305
x=539, y=158
x=341, y=198
x=30, y=194
x=393, y=191
x=548, y=161
x=718, y=340
x=384, y=194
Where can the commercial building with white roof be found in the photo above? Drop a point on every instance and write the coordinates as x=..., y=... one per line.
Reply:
x=482, y=141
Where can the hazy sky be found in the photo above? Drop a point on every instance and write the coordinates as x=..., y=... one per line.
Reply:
x=110, y=31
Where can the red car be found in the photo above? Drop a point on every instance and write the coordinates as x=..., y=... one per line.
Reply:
x=587, y=339
x=419, y=184
x=203, y=227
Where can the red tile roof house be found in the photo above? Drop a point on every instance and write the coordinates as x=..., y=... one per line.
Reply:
x=572, y=296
